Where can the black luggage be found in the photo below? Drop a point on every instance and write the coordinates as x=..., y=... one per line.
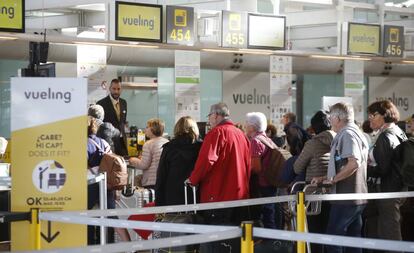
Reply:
x=183, y=218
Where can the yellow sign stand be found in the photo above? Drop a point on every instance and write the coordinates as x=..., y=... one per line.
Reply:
x=48, y=159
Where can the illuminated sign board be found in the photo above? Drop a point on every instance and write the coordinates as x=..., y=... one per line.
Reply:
x=234, y=29
x=364, y=39
x=393, y=41
x=12, y=16
x=266, y=32
x=138, y=22
x=180, y=25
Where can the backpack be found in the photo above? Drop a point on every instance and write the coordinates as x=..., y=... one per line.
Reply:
x=277, y=157
x=404, y=157
x=115, y=168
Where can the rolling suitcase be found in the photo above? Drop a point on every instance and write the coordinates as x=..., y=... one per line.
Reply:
x=184, y=218
x=135, y=198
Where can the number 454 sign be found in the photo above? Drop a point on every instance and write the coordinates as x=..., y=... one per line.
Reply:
x=393, y=41
x=180, y=25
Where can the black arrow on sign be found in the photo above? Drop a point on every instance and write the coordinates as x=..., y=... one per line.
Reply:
x=49, y=238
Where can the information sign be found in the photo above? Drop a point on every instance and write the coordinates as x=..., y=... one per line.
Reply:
x=364, y=39
x=49, y=157
x=266, y=32
x=138, y=22
x=180, y=25
x=12, y=16
x=393, y=41
x=234, y=29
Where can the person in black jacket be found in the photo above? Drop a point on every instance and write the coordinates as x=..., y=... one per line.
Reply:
x=115, y=113
x=382, y=116
x=176, y=163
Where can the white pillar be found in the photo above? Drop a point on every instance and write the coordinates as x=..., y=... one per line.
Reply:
x=276, y=7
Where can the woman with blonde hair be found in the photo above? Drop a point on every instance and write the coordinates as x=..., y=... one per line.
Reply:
x=177, y=162
x=151, y=152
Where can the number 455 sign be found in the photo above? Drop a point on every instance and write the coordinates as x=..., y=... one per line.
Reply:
x=234, y=29
x=393, y=41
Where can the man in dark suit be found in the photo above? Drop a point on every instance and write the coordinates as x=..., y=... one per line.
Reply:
x=115, y=113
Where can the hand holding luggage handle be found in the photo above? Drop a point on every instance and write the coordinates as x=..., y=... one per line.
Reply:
x=194, y=194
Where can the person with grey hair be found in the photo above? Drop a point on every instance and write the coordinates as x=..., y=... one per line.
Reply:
x=260, y=145
x=106, y=130
x=222, y=171
x=96, y=111
x=347, y=173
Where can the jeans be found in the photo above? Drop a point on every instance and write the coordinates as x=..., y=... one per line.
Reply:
x=345, y=220
x=268, y=210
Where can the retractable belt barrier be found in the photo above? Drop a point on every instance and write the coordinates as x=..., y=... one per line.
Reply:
x=183, y=208
x=146, y=225
x=238, y=203
x=152, y=244
x=208, y=233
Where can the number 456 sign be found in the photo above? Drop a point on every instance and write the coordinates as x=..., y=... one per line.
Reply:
x=393, y=41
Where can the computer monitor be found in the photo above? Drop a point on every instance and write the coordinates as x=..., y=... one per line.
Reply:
x=46, y=70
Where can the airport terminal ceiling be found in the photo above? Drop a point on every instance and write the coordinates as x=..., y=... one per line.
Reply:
x=311, y=29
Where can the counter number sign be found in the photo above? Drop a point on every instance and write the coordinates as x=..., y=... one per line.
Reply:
x=180, y=25
x=393, y=41
x=234, y=32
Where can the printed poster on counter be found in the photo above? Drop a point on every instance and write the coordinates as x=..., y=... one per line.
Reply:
x=49, y=157
x=280, y=88
x=187, y=84
x=354, y=86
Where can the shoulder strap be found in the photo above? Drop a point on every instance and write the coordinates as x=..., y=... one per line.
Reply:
x=266, y=142
x=97, y=145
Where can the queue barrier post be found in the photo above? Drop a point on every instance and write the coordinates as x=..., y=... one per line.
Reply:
x=247, y=243
x=103, y=205
x=35, y=228
x=300, y=219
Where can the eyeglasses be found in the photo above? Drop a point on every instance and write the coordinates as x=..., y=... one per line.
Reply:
x=371, y=116
x=211, y=113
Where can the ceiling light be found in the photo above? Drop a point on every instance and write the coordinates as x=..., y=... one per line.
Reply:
x=220, y=50
x=255, y=51
x=7, y=38
x=91, y=7
x=112, y=44
x=235, y=51
x=332, y=57
x=43, y=14
x=329, y=2
x=91, y=35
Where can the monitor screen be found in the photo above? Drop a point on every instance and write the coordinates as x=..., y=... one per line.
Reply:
x=47, y=70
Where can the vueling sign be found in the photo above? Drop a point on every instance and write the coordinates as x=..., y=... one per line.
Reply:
x=364, y=39
x=12, y=15
x=140, y=22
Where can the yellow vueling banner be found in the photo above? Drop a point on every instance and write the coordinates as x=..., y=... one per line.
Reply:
x=49, y=157
x=140, y=22
x=364, y=39
x=12, y=15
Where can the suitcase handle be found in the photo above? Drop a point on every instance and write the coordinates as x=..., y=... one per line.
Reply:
x=186, y=195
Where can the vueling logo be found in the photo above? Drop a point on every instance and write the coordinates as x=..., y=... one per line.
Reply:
x=49, y=95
